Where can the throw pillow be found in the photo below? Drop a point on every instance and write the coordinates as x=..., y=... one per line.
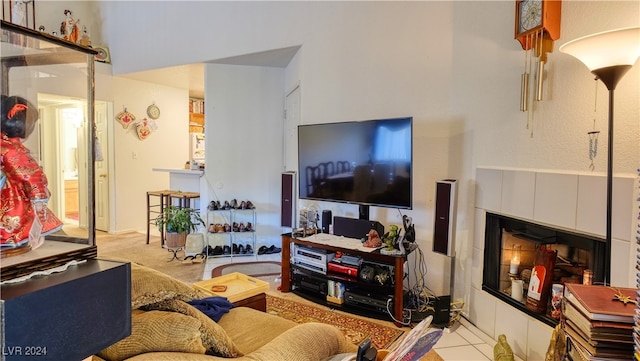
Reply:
x=150, y=286
x=214, y=338
x=157, y=331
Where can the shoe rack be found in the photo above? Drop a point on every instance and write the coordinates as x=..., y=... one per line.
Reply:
x=231, y=232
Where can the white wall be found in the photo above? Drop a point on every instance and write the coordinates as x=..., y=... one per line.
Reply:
x=244, y=141
x=134, y=159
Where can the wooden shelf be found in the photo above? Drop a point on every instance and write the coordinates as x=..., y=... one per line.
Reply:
x=395, y=261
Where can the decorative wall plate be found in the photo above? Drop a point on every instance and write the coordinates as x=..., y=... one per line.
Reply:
x=153, y=111
x=103, y=54
x=143, y=129
x=125, y=118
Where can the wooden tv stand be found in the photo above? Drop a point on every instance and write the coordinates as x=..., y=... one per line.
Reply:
x=396, y=261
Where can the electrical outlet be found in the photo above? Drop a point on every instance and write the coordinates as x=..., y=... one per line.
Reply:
x=134, y=155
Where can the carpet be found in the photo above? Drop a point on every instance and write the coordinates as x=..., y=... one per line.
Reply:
x=355, y=329
x=133, y=247
x=255, y=269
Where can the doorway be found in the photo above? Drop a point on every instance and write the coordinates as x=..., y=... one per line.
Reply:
x=60, y=147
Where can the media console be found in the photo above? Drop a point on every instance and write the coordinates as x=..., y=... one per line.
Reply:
x=305, y=270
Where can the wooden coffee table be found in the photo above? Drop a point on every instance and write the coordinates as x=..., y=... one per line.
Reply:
x=241, y=290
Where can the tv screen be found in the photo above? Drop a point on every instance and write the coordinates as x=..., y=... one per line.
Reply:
x=361, y=162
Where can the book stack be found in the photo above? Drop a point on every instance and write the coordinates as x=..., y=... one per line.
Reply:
x=599, y=321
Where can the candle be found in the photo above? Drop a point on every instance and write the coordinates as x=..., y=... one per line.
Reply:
x=517, y=289
x=515, y=259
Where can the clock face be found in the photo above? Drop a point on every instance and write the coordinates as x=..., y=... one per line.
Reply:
x=530, y=15
x=153, y=111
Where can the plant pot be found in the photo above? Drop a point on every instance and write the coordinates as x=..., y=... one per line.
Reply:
x=175, y=240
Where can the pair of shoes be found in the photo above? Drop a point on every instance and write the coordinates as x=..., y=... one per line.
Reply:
x=214, y=206
x=226, y=250
x=198, y=258
x=219, y=228
x=249, y=249
x=269, y=250
x=249, y=227
x=240, y=249
x=210, y=251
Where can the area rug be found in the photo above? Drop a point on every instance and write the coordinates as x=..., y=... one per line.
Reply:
x=133, y=247
x=255, y=269
x=355, y=329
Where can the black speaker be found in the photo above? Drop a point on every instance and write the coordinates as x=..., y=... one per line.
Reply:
x=326, y=220
x=442, y=308
x=355, y=228
x=444, y=229
x=287, y=199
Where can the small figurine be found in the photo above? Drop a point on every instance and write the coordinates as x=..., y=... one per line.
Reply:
x=18, y=14
x=85, y=40
x=502, y=351
x=24, y=216
x=69, y=27
x=391, y=238
x=373, y=239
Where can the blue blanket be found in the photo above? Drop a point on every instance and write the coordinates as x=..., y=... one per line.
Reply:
x=214, y=307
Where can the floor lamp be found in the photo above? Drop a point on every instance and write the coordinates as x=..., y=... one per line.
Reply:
x=609, y=55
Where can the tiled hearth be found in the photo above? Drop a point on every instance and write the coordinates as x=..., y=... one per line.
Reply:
x=567, y=201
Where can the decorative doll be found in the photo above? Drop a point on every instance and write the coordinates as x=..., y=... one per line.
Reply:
x=69, y=28
x=24, y=216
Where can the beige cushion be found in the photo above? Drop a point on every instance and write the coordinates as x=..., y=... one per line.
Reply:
x=235, y=323
x=157, y=331
x=150, y=286
x=214, y=338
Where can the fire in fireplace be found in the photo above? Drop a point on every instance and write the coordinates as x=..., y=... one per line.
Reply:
x=510, y=249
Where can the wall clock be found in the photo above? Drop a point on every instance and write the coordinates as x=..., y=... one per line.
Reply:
x=537, y=25
x=153, y=111
x=537, y=20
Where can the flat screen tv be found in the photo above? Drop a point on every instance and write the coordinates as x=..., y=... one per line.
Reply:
x=368, y=163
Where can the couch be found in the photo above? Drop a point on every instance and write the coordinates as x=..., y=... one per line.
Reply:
x=165, y=327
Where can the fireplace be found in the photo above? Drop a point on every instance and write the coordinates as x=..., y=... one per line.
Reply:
x=510, y=247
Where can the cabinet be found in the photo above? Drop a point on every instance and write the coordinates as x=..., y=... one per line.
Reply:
x=196, y=115
x=232, y=232
x=370, y=297
x=25, y=56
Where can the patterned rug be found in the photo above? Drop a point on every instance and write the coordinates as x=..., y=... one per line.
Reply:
x=255, y=269
x=355, y=330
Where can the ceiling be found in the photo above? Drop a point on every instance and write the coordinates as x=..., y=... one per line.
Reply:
x=191, y=76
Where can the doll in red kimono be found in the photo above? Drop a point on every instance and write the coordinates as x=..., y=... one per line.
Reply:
x=24, y=216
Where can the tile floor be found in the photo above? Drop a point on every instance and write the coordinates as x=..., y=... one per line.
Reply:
x=463, y=342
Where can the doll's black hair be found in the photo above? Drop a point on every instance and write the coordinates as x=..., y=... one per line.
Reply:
x=19, y=116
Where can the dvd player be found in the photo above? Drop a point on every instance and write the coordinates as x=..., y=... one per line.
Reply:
x=369, y=301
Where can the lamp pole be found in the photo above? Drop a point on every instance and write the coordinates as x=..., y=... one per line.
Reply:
x=609, y=55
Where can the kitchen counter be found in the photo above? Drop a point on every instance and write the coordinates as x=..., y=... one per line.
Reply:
x=186, y=180
x=180, y=171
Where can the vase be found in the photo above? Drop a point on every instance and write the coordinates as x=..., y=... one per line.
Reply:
x=176, y=240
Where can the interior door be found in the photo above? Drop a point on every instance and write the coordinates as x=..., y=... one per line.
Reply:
x=102, y=166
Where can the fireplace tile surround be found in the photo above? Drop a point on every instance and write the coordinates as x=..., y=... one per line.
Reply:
x=575, y=202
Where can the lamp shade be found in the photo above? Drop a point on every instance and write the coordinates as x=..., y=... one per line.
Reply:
x=606, y=49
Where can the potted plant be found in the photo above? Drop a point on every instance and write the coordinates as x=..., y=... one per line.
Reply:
x=178, y=222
